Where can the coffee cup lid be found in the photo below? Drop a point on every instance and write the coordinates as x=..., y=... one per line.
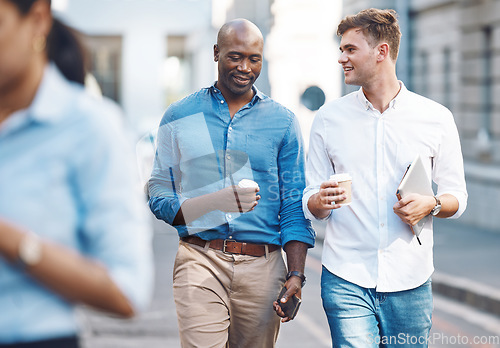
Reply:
x=247, y=183
x=341, y=177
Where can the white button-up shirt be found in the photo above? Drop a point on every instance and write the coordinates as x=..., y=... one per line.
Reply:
x=366, y=243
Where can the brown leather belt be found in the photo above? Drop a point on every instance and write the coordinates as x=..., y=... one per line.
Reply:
x=230, y=246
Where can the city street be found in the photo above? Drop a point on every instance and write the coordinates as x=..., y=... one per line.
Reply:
x=454, y=324
x=199, y=94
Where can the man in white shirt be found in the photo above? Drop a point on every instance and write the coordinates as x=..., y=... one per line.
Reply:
x=376, y=276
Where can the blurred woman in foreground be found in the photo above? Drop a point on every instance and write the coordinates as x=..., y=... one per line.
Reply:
x=73, y=224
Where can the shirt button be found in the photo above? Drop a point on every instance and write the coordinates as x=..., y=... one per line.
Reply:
x=228, y=216
x=222, y=101
x=382, y=224
x=228, y=156
x=230, y=237
x=230, y=128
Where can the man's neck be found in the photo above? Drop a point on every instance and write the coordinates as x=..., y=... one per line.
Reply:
x=381, y=93
x=236, y=102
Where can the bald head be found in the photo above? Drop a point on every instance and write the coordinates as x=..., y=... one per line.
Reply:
x=238, y=54
x=238, y=27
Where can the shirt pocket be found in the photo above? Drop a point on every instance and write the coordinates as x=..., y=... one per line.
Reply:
x=261, y=151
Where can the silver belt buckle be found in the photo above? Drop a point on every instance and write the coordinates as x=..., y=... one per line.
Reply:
x=224, y=246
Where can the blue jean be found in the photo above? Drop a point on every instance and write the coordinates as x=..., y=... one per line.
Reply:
x=360, y=317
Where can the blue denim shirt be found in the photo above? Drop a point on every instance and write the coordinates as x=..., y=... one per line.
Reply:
x=201, y=150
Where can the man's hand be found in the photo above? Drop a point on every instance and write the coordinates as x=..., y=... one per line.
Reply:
x=236, y=199
x=229, y=199
x=412, y=208
x=322, y=202
x=294, y=287
x=296, y=258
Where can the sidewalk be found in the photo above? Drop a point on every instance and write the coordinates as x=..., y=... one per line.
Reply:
x=156, y=327
x=467, y=263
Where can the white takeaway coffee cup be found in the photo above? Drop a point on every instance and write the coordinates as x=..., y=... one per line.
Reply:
x=344, y=180
x=247, y=183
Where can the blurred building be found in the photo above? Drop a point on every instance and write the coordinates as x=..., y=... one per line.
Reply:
x=451, y=54
x=146, y=54
x=302, y=55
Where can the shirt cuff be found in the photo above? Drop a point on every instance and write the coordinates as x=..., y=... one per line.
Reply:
x=308, y=192
x=307, y=235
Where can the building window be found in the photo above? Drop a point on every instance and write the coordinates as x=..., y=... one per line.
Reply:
x=484, y=144
x=447, y=85
x=177, y=72
x=487, y=52
x=422, y=77
x=105, y=63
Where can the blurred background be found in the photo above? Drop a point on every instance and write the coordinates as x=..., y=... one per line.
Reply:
x=146, y=54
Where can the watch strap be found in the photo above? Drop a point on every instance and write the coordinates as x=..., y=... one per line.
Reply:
x=437, y=207
x=297, y=274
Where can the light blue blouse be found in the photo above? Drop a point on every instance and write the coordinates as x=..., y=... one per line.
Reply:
x=67, y=173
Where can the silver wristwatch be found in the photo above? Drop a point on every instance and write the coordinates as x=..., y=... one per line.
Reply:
x=30, y=250
x=437, y=207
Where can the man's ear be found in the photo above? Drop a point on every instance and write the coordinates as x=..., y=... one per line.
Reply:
x=216, y=53
x=383, y=51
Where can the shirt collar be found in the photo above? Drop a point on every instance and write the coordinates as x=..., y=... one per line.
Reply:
x=394, y=103
x=258, y=95
x=52, y=97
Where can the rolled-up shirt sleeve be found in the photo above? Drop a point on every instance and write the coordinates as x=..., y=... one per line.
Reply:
x=294, y=226
x=448, y=171
x=163, y=186
x=319, y=167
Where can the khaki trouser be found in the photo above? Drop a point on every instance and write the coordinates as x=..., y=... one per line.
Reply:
x=226, y=300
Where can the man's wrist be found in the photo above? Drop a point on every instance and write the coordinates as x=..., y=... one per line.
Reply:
x=437, y=207
x=314, y=206
x=297, y=274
